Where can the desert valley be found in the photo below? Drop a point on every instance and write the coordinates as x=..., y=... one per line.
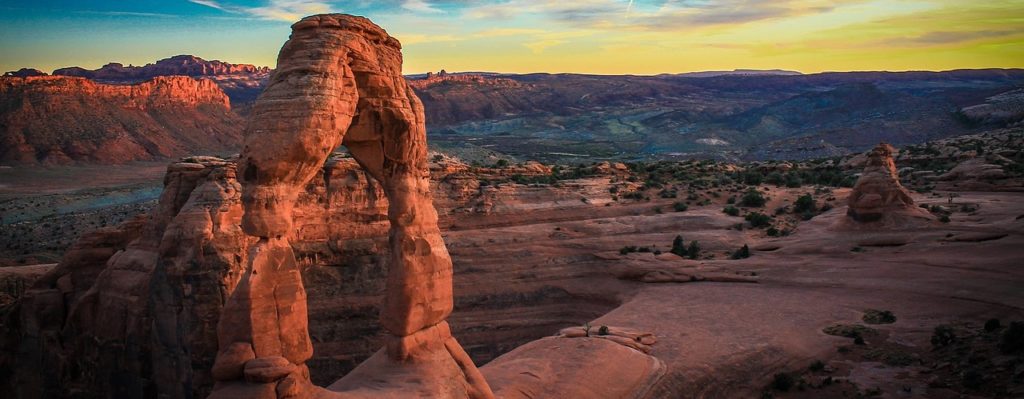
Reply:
x=332, y=228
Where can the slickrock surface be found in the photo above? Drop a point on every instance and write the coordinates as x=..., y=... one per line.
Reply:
x=878, y=193
x=59, y=120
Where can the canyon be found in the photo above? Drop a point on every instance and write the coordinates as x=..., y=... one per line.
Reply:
x=293, y=269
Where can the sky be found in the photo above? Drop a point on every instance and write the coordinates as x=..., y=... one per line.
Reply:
x=640, y=37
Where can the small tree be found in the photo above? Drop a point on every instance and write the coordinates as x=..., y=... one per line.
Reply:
x=694, y=250
x=742, y=253
x=679, y=246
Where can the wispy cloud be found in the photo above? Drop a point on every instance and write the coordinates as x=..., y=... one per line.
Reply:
x=419, y=6
x=128, y=14
x=282, y=10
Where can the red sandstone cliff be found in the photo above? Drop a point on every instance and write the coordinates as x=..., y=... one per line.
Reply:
x=57, y=120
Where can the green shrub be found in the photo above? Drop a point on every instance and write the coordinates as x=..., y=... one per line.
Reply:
x=752, y=199
x=943, y=336
x=875, y=316
x=818, y=365
x=680, y=207
x=992, y=325
x=679, y=246
x=742, y=253
x=758, y=219
x=805, y=203
x=693, y=251
x=1013, y=338
x=793, y=180
x=731, y=210
x=782, y=382
x=773, y=232
x=752, y=178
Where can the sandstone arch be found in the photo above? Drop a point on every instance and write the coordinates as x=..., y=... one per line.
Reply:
x=339, y=81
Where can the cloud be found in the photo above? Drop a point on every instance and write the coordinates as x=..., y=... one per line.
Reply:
x=419, y=6
x=281, y=10
x=128, y=14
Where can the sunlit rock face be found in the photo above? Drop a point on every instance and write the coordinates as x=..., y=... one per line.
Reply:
x=878, y=191
x=339, y=81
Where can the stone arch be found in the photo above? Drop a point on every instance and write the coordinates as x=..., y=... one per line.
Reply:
x=338, y=81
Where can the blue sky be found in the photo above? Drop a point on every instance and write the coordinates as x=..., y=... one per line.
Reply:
x=591, y=36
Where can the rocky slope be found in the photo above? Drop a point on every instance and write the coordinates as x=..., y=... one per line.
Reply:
x=58, y=120
x=730, y=117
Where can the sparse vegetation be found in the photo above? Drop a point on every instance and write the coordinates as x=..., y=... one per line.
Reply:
x=752, y=199
x=742, y=253
x=758, y=219
x=942, y=336
x=874, y=316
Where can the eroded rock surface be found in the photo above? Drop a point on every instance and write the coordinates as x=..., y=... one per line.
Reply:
x=130, y=312
x=339, y=81
x=878, y=191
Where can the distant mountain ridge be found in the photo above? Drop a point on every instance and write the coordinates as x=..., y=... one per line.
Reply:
x=739, y=114
x=184, y=65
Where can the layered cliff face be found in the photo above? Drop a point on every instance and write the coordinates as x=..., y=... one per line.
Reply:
x=58, y=120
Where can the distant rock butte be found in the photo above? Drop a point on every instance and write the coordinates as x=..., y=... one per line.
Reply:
x=468, y=78
x=185, y=65
x=24, y=73
x=59, y=120
x=878, y=193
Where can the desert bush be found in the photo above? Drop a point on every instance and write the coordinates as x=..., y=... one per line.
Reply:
x=693, y=251
x=742, y=253
x=992, y=325
x=805, y=203
x=849, y=330
x=875, y=316
x=679, y=207
x=772, y=231
x=731, y=210
x=942, y=336
x=1013, y=338
x=782, y=382
x=758, y=219
x=752, y=199
x=679, y=246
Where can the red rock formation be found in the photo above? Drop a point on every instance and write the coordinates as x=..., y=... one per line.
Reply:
x=53, y=119
x=471, y=78
x=350, y=91
x=184, y=65
x=878, y=192
x=140, y=300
